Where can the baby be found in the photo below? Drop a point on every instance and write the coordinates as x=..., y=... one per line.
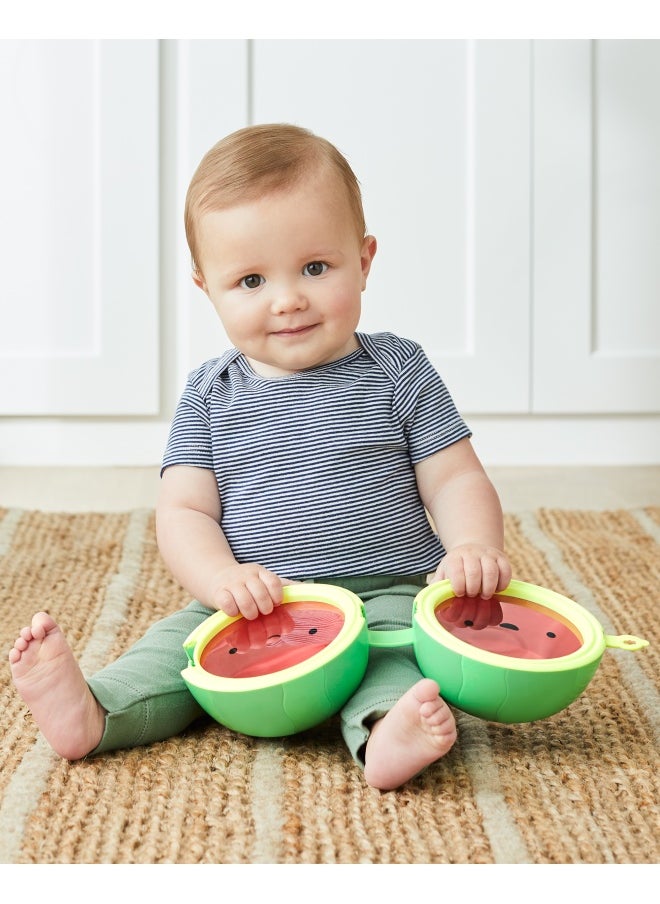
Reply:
x=308, y=452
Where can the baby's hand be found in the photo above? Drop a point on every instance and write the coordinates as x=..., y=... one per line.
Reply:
x=474, y=570
x=476, y=573
x=248, y=590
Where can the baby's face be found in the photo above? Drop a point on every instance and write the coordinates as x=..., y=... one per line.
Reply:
x=285, y=274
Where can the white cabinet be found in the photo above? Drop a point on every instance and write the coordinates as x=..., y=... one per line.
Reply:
x=596, y=235
x=513, y=188
x=212, y=100
x=79, y=181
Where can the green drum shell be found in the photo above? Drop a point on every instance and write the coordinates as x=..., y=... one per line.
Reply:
x=293, y=699
x=502, y=688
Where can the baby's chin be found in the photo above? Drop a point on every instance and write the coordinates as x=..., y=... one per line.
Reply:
x=273, y=369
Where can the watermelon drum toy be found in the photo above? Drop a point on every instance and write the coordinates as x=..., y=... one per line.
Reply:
x=537, y=661
x=280, y=673
x=285, y=672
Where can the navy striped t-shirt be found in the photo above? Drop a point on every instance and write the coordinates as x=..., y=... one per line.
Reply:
x=316, y=470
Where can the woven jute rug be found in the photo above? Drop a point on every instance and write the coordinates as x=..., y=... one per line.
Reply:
x=582, y=786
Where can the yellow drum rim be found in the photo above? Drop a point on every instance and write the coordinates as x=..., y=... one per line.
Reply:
x=354, y=622
x=575, y=617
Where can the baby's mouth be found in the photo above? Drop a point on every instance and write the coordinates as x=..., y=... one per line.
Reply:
x=295, y=330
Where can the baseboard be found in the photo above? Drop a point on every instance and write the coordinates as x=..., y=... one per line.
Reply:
x=499, y=441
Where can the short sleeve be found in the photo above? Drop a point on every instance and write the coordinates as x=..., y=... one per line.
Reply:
x=426, y=408
x=189, y=441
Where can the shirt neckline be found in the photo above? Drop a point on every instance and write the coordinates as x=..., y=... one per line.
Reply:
x=247, y=370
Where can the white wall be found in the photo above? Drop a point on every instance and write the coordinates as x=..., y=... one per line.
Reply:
x=512, y=185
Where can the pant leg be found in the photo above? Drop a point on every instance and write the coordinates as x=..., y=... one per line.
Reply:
x=145, y=697
x=388, y=603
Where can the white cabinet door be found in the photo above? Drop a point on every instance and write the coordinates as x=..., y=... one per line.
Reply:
x=79, y=325
x=438, y=133
x=596, y=227
x=212, y=101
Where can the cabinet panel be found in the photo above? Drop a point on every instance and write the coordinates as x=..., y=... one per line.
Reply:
x=213, y=100
x=79, y=328
x=438, y=134
x=626, y=117
x=596, y=227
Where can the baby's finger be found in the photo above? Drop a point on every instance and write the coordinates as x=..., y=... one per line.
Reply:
x=224, y=601
x=505, y=573
x=473, y=577
x=490, y=576
x=261, y=595
x=273, y=584
x=455, y=574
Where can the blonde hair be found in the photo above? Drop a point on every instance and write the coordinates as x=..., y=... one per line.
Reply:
x=259, y=160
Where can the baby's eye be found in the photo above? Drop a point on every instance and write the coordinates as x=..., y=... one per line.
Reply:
x=315, y=268
x=253, y=281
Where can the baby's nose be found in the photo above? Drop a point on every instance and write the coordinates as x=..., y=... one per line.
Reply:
x=288, y=298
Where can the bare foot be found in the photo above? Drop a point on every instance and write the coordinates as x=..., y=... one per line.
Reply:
x=50, y=682
x=418, y=730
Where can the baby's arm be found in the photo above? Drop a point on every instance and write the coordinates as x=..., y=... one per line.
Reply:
x=468, y=517
x=196, y=550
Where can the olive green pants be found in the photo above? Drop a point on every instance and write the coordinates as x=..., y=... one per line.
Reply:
x=147, y=700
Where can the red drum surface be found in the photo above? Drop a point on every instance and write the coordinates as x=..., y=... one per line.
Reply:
x=525, y=632
x=290, y=634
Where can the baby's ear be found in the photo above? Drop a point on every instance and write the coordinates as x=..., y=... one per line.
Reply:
x=198, y=279
x=367, y=253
